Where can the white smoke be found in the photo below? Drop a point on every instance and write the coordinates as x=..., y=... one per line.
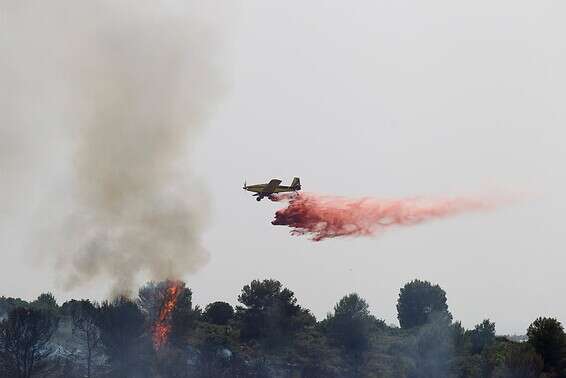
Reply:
x=117, y=91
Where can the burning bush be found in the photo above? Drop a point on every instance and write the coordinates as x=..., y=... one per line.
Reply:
x=167, y=306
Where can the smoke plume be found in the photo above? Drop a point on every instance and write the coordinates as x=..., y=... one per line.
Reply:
x=324, y=217
x=126, y=85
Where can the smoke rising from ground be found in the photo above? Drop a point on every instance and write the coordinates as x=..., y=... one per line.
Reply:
x=323, y=217
x=126, y=84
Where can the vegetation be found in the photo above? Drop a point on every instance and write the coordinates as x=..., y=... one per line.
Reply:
x=547, y=337
x=268, y=334
x=219, y=313
x=24, y=338
x=418, y=301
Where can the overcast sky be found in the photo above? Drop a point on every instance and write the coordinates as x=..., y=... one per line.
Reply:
x=385, y=99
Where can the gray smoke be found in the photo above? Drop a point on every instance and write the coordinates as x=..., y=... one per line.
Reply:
x=116, y=90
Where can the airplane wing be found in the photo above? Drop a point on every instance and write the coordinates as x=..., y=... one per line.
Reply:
x=273, y=184
x=281, y=189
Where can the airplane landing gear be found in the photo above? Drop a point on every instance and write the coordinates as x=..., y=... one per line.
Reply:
x=258, y=199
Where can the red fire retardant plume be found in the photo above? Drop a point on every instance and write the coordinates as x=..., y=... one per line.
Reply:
x=323, y=217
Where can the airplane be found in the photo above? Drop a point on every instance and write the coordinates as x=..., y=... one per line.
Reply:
x=265, y=190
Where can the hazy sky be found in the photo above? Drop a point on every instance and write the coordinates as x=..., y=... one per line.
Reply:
x=386, y=99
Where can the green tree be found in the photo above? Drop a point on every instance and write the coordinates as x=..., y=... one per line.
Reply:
x=417, y=301
x=183, y=319
x=460, y=337
x=314, y=356
x=547, y=336
x=434, y=347
x=214, y=357
x=349, y=326
x=24, y=339
x=482, y=335
x=124, y=338
x=45, y=301
x=270, y=313
x=219, y=313
x=7, y=304
x=520, y=361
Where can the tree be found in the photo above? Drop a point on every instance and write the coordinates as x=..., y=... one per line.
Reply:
x=547, y=336
x=24, y=339
x=519, y=361
x=349, y=325
x=434, y=346
x=152, y=295
x=219, y=313
x=182, y=317
x=124, y=338
x=7, y=304
x=84, y=317
x=349, y=328
x=417, y=301
x=460, y=337
x=271, y=312
x=314, y=356
x=214, y=357
x=482, y=335
x=45, y=301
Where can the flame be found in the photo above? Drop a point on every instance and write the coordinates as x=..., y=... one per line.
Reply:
x=323, y=217
x=162, y=326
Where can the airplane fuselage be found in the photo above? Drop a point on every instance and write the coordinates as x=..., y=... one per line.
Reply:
x=272, y=187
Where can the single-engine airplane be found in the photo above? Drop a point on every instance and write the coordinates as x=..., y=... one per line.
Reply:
x=273, y=186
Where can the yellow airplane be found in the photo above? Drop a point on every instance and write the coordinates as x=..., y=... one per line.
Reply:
x=273, y=186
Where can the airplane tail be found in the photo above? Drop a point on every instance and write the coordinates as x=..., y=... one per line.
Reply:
x=296, y=184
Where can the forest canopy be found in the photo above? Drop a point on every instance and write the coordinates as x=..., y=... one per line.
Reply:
x=160, y=333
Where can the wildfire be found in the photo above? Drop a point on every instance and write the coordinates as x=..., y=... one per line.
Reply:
x=162, y=326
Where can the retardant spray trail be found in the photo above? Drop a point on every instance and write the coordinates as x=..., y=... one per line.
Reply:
x=322, y=217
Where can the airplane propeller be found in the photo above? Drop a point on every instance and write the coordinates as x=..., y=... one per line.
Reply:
x=245, y=186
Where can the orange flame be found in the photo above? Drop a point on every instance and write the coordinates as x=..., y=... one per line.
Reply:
x=162, y=326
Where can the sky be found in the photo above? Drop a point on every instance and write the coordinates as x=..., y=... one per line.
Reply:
x=380, y=99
